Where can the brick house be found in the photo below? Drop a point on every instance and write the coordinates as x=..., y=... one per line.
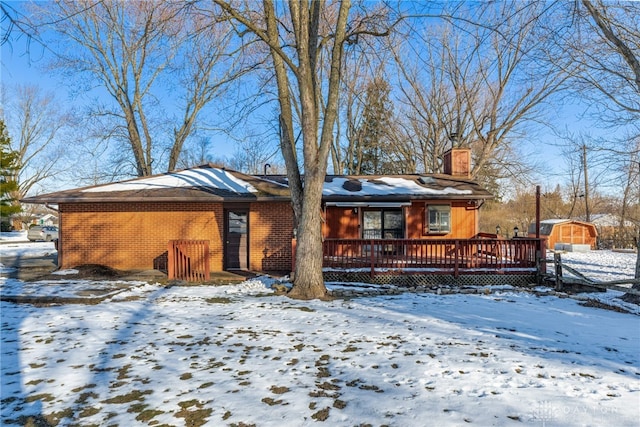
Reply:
x=247, y=220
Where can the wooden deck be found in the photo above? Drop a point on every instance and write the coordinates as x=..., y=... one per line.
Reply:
x=436, y=256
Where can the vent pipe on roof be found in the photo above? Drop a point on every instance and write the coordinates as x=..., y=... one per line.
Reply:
x=266, y=165
x=453, y=137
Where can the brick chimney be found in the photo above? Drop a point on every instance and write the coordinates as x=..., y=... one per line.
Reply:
x=457, y=162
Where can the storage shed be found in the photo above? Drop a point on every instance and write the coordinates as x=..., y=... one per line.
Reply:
x=567, y=234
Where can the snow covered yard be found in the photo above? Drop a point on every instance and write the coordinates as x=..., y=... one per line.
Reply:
x=240, y=355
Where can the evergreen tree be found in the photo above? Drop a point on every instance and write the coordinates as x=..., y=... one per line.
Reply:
x=8, y=184
x=373, y=136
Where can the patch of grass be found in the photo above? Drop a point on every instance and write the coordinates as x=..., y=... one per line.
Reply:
x=45, y=397
x=323, y=372
x=303, y=308
x=129, y=397
x=86, y=396
x=186, y=376
x=206, y=385
x=54, y=418
x=218, y=300
x=118, y=356
x=137, y=407
x=322, y=414
x=481, y=354
x=148, y=414
x=350, y=348
x=586, y=375
x=123, y=372
x=272, y=402
x=328, y=386
x=339, y=404
x=89, y=411
x=371, y=387
x=36, y=365
x=193, y=417
x=279, y=389
x=79, y=389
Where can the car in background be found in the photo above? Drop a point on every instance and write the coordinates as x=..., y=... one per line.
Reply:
x=47, y=233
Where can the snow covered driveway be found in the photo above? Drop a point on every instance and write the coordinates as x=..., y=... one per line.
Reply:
x=239, y=355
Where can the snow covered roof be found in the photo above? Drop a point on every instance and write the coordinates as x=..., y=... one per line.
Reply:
x=199, y=184
x=210, y=183
x=401, y=187
x=214, y=178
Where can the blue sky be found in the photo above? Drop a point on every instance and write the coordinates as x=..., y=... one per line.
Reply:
x=24, y=62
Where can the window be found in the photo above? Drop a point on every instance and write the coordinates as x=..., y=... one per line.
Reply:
x=383, y=224
x=438, y=219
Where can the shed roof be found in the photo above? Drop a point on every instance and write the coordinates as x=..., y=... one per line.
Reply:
x=546, y=225
x=211, y=183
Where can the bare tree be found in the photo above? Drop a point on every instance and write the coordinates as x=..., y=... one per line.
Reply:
x=254, y=155
x=476, y=78
x=299, y=36
x=159, y=63
x=37, y=122
x=605, y=42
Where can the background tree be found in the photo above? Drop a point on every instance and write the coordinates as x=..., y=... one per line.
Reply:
x=479, y=82
x=8, y=185
x=158, y=62
x=604, y=39
x=39, y=123
x=370, y=149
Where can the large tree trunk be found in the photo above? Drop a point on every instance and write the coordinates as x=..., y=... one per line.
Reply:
x=635, y=299
x=317, y=124
x=308, y=279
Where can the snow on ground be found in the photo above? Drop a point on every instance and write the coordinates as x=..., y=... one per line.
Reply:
x=12, y=245
x=240, y=355
x=13, y=236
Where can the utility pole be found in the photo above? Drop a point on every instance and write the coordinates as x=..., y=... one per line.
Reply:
x=586, y=182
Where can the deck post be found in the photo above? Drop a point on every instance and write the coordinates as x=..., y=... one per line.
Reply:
x=373, y=260
x=456, y=273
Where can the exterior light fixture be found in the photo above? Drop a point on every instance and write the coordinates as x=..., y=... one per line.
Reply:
x=515, y=231
x=498, y=230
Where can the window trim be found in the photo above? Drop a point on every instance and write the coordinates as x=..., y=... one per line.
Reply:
x=383, y=229
x=438, y=207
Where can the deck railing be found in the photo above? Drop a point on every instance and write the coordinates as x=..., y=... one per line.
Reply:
x=188, y=260
x=440, y=256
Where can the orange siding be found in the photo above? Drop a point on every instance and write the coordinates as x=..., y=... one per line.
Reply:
x=341, y=223
x=573, y=233
x=464, y=221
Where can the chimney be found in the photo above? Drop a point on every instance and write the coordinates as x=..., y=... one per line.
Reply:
x=457, y=162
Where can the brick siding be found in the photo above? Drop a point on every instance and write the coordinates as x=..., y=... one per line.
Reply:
x=271, y=230
x=134, y=236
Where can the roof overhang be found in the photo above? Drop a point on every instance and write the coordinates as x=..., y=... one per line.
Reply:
x=368, y=204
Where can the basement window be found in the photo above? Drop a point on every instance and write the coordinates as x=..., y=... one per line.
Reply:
x=438, y=219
